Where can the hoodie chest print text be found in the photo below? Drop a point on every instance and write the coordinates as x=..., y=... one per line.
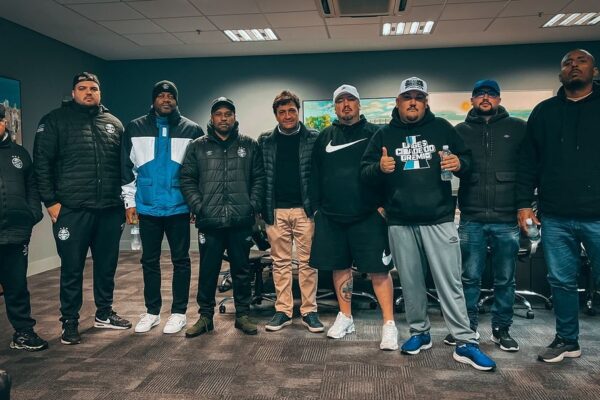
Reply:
x=415, y=153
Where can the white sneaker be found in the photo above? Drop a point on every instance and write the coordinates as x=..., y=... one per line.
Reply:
x=175, y=323
x=341, y=326
x=389, y=336
x=147, y=322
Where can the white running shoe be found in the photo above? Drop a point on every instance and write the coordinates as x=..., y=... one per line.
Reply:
x=147, y=322
x=175, y=323
x=389, y=336
x=341, y=326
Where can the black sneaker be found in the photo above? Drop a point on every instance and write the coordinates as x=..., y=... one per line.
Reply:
x=312, y=322
x=449, y=340
x=112, y=321
x=502, y=338
x=70, y=333
x=246, y=325
x=203, y=325
x=279, y=320
x=559, y=349
x=28, y=340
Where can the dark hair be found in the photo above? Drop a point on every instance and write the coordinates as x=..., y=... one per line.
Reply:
x=285, y=97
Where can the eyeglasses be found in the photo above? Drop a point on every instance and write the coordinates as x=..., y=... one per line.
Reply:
x=418, y=97
x=492, y=94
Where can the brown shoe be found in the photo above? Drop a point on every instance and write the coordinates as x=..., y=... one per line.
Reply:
x=203, y=325
x=246, y=325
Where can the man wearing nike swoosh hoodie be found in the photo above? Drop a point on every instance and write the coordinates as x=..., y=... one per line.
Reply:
x=348, y=229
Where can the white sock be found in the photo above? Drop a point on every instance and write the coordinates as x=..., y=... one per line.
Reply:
x=391, y=322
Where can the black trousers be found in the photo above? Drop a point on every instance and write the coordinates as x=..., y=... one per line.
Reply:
x=13, y=278
x=152, y=230
x=76, y=231
x=237, y=241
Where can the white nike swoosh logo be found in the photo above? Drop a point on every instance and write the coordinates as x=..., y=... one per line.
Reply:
x=331, y=148
x=386, y=259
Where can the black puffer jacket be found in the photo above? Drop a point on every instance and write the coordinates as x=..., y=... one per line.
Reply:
x=223, y=182
x=268, y=144
x=20, y=207
x=77, y=157
x=487, y=194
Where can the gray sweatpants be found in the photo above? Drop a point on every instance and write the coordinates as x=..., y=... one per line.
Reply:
x=414, y=247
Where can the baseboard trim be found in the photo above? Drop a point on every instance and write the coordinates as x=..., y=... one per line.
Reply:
x=43, y=265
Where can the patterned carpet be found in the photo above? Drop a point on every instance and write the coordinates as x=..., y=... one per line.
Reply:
x=289, y=364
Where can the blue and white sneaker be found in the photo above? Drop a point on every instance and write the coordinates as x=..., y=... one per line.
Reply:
x=416, y=343
x=470, y=353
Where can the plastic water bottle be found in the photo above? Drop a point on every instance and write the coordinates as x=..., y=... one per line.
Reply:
x=136, y=242
x=533, y=233
x=446, y=175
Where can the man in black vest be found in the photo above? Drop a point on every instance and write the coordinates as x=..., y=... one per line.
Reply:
x=78, y=171
x=287, y=212
x=486, y=199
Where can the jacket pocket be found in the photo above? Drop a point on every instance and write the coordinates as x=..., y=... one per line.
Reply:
x=470, y=192
x=176, y=194
x=504, y=200
x=145, y=192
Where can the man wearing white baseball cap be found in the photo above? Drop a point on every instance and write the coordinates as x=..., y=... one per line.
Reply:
x=348, y=228
x=404, y=157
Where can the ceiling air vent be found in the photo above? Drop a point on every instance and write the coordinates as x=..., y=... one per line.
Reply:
x=360, y=8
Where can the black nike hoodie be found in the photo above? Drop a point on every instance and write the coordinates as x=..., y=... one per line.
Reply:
x=414, y=193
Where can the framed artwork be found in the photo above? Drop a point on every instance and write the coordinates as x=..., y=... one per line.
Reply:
x=452, y=106
x=10, y=96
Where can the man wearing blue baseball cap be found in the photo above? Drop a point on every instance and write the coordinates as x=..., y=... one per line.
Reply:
x=486, y=200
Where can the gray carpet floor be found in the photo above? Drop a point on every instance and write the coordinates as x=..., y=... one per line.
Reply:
x=290, y=364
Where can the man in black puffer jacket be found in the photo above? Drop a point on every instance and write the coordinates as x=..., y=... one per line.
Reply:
x=20, y=210
x=287, y=212
x=486, y=199
x=222, y=179
x=78, y=171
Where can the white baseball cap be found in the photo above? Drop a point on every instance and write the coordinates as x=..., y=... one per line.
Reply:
x=345, y=89
x=413, y=83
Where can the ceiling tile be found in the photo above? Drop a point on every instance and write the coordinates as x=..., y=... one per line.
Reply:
x=226, y=7
x=354, y=31
x=469, y=11
x=106, y=11
x=582, y=6
x=203, y=37
x=245, y=21
x=352, y=21
x=86, y=1
x=132, y=26
x=291, y=19
x=418, y=3
x=153, y=39
x=518, y=8
x=165, y=8
x=302, y=33
x=442, y=28
x=481, y=1
x=426, y=13
x=185, y=24
x=273, y=6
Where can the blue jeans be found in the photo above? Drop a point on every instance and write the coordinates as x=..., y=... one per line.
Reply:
x=561, y=240
x=503, y=240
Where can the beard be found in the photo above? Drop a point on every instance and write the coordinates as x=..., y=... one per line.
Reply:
x=574, y=85
x=491, y=111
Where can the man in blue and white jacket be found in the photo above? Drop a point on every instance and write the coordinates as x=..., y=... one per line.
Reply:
x=152, y=151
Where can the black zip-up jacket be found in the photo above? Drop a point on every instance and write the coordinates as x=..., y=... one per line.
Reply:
x=223, y=182
x=560, y=157
x=336, y=189
x=268, y=144
x=487, y=194
x=414, y=192
x=77, y=157
x=20, y=207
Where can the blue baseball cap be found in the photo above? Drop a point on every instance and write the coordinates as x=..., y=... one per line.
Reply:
x=486, y=83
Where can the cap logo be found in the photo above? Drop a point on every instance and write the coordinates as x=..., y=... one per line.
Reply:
x=165, y=86
x=415, y=83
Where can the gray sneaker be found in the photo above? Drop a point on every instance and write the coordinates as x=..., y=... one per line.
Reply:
x=559, y=349
x=279, y=320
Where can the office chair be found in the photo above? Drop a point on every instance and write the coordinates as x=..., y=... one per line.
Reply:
x=5, y=384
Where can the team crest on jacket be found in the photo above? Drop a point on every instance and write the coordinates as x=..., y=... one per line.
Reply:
x=110, y=128
x=201, y=238
x=40, y=128
x=63, y=233
x=17, y=162
x=25, y=250
x=241, y=152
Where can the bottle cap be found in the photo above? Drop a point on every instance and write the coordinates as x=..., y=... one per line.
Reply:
x=529, y=221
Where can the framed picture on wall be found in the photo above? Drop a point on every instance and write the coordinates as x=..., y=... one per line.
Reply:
x=10, y=96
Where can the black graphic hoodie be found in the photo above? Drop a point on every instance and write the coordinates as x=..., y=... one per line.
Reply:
x=414, y=193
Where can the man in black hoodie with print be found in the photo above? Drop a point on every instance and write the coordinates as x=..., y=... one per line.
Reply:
x=559, y=158
x=486, y=198
x=405, y=158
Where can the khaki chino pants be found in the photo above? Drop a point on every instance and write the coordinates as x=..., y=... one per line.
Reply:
x=292, y=226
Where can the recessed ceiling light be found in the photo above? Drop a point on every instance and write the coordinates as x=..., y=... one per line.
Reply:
x=250, y=35
x=406, y=28
x=573, y=19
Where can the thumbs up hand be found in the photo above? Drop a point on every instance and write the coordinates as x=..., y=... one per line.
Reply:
x=386, y=164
